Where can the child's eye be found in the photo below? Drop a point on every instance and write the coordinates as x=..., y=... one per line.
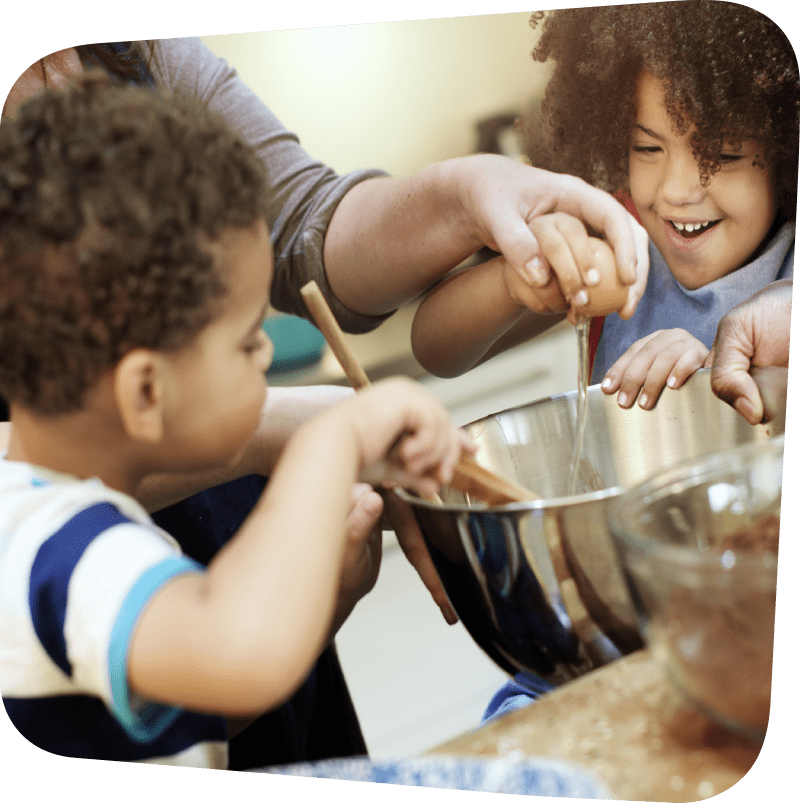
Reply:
x=645, y=149
x=255, y=345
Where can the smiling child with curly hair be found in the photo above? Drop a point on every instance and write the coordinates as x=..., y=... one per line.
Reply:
x=688, y=111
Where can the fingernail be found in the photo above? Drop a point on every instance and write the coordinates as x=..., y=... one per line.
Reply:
x=536, y=271
x=745, y=408
x=449, y=616
x=672, y=381
x=581, y=298
x=622, y=400
x=592, y=276
x=643, y=401
x=606, y=383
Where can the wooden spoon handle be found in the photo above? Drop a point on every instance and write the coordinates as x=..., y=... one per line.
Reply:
x=469, y=476
x=327, y=324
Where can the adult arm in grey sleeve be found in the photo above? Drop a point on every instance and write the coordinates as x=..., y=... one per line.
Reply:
x=304, y=193
x=384, y=240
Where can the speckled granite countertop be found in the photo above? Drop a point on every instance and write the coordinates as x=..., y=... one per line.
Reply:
x=626, y=723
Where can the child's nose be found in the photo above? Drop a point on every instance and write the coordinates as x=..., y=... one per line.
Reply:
x=680, y=183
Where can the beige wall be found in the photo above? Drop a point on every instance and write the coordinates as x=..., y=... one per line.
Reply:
x=393, y=95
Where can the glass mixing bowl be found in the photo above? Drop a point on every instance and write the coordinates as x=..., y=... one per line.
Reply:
x=698, y=546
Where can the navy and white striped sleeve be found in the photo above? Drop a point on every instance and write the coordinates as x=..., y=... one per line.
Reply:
x=89, y=582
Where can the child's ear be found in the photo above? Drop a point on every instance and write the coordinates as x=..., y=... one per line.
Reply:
x=139, y=392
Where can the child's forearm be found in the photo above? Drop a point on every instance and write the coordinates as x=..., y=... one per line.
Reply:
x=285, y=561
x=241, y=637
x=253, y=624
x=462, y=318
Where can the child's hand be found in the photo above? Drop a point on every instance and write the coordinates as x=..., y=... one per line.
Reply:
x=666, y=357
x=406, y=436
x=543, y=300
x=362, y=552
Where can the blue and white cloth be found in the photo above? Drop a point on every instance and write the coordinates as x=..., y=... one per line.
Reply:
x=514, y=776
x=78, y=563
x=519, y=692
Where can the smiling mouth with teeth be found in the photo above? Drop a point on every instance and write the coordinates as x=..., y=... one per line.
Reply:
x=692, y=229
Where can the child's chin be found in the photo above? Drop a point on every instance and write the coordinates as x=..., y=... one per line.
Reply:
x=693, y=278
x=687, y=279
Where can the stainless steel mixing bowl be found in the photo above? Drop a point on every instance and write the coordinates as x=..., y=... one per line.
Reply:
x=496, y=564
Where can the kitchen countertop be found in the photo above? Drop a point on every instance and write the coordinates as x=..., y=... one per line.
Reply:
x=626, y=723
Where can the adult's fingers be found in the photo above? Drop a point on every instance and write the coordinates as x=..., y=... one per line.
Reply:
x=402, y=520
x=730, y=358
x=736, y=387
x=636, y=290
x=366, y=507
x=565, y=245
x=612, y=222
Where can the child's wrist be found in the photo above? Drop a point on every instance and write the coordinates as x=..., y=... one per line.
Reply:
x=513, y=287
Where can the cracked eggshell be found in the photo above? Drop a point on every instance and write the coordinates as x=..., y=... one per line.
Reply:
x=609, y=295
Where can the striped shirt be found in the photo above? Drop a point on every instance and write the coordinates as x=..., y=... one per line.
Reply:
x=78, y=563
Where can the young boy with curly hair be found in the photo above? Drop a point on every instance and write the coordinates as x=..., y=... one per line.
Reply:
x=689, y=109
x=134, y=268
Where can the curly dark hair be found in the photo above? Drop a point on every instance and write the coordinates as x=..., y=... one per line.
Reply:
x=109, y=196
x=728, y=71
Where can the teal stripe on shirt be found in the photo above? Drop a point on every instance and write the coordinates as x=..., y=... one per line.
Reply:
x=154, y=718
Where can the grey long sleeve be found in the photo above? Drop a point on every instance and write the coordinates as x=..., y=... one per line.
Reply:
x=304, y=193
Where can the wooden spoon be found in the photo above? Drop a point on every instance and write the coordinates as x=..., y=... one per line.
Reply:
x=469, y=477
x=480, y=483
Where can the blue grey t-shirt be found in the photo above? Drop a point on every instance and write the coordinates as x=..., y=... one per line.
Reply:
x=667, y=304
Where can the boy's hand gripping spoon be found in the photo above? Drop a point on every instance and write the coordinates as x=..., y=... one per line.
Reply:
x=480, y=483
x=469, y=477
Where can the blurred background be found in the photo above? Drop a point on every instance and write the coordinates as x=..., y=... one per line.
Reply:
x=399, y=96
x=393, y=95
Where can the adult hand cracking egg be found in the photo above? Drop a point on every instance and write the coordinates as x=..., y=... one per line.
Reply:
x=575, y=274
x=584, y=270
x=580, y=271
